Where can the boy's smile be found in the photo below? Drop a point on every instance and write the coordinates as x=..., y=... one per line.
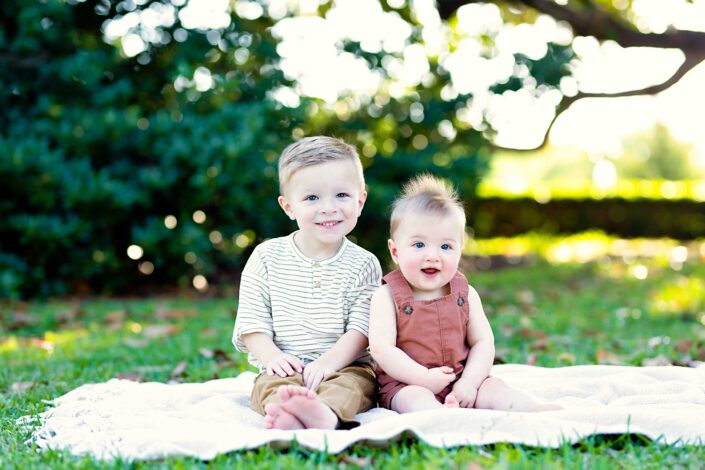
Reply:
x=325, y=200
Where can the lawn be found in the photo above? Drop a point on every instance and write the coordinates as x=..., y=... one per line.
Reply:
x=542, y=314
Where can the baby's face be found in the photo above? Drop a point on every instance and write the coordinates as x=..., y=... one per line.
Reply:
x=427, y=248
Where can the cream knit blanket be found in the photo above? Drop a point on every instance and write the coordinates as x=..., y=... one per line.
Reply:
x=152, y=420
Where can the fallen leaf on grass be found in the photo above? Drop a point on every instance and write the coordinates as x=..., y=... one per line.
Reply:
x=209, y=332
x=531, y=333
x=531, y=359
x=356, y=461
x=158, y=331
x=218, y=354
x=539, y=344
x=69, y=316
x=17, y=320
x=132, y=376
x=684, y=345
x=567, y=357
x=526, y=296
x=21, y=387
x=179, y=370
x=135, y=342
x=164, y=313
x=608, y=357
x=659, y=360
x=116, y=319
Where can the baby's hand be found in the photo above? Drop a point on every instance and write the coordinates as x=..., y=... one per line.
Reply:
x=465, y=392
x=284, y=365
x=438, y=378
x=315, y=372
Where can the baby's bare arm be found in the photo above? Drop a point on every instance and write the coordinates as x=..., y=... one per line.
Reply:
x=394, y=361
x=481, y=342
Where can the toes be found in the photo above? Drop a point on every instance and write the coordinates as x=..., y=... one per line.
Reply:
x=284, y=392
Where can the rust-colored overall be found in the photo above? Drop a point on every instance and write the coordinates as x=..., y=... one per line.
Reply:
x=431, y=332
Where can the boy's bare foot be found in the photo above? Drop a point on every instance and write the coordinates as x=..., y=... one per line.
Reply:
x=304, y=405
x=451, y=401
x=277, y=417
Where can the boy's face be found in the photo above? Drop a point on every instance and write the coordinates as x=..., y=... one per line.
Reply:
x=325, y=200
x=427, y=248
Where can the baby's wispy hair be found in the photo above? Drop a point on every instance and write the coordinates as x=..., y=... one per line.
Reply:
x=426, y=194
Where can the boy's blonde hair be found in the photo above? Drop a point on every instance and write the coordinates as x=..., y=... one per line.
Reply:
x=314, y=151
x=426, y=194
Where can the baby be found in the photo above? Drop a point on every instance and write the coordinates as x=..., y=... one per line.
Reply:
x=428, y=332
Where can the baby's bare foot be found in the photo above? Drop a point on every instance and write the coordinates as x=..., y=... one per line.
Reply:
x=304, y=405
x=451, y=401
x=277, y=417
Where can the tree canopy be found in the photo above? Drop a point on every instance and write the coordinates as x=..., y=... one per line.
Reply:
x=139, y=137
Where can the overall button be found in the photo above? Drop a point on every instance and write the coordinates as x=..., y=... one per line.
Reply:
x=408, y=310
x=317, y=284
x=460, y=301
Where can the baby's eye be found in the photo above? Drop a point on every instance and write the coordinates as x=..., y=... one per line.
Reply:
x=419, y=244
x=311, y=197
x=446, y=247
x=342, y=195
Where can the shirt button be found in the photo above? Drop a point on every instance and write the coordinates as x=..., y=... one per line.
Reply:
x=408, y=310
x=460, y=301
x=317, y=284
x=316, y=265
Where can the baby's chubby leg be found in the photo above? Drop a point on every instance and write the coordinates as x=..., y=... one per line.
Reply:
x=415, y=398
x=495, y=394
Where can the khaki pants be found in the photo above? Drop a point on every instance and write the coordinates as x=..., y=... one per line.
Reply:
x=347, y=392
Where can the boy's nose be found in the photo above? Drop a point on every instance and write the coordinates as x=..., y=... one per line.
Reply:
x=328, y=207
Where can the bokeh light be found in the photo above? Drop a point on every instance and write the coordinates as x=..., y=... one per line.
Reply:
x=135, y=252
x=146, y=268
x=170, y=222
x=200, y=282
x=199, y=217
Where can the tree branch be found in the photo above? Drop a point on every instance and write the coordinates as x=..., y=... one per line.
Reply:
x=600, y=24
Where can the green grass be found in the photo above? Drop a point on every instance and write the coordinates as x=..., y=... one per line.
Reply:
x=541, y=314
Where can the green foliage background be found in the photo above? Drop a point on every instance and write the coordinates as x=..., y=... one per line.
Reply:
x=97, y=149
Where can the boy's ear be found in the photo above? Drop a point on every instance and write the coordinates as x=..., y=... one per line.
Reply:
x=393, y=250
x=286, y=207
x=361, y=202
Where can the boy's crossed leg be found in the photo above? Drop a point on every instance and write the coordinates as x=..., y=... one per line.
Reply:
x=287, y=404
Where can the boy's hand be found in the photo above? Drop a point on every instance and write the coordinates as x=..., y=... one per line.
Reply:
x=465, y=392
x=284, y=365
x=315, y=372
x=438, y=378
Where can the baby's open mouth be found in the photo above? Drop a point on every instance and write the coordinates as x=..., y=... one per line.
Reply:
x=430, y=270
x=328, y=224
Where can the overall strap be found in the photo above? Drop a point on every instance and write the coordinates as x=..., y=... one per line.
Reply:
x=459, y=286
x=401, y=291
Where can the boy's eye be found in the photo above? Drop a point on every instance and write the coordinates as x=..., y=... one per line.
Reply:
x=341, y=195
x=310, y=197
x=445, y=247
x=419, y=244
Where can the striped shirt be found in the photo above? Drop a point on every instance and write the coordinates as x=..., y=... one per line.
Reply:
x=303, y=304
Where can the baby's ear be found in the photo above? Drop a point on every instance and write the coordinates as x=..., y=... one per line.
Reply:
x=286, y=207
x=393, y=250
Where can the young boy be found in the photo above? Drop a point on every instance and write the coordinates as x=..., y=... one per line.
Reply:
x=304, y=299
x=428, y=333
